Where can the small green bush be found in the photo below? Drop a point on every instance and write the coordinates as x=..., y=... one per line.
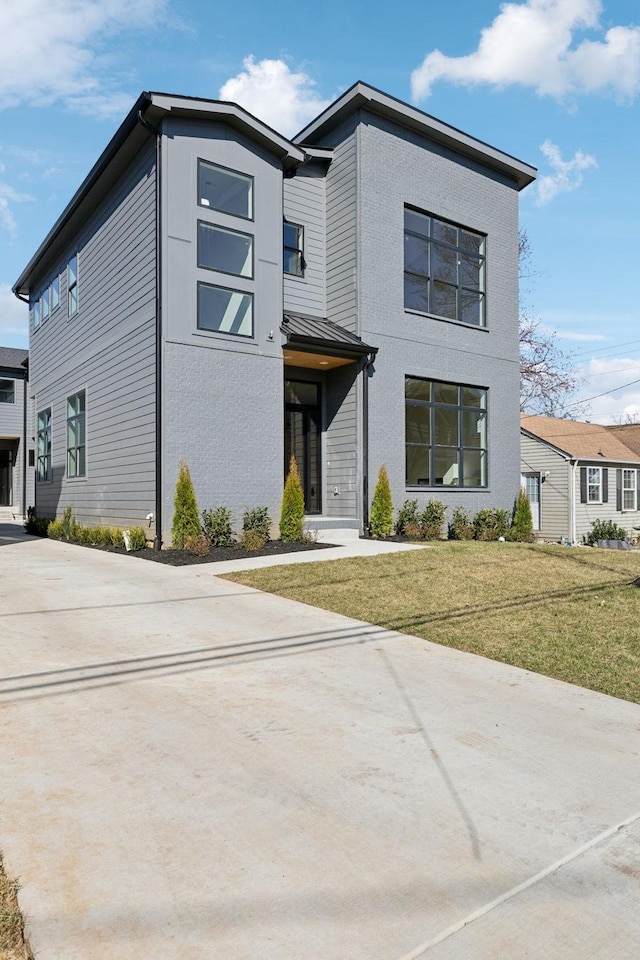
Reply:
x=253, y=539
x=381, y=518
x=257, y=519
x=461, y=527
x=217, y=527
x=414, y=530
x=522, y=525
x=55, y=530
x=292, y=511
x=604, y=530
x=502, y=522
x=432, y=519
x=115, y=536
x=69, y=525
x=199, y=546
x=186, y=517
x=137, y=539
x=408, y=513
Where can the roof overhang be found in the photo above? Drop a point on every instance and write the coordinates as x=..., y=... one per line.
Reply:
x=321, y=336
x=362, y=96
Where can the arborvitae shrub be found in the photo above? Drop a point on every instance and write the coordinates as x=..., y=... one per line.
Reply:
x=522, y=526
x=186, y=517
x=381, y=519
x=292, y=512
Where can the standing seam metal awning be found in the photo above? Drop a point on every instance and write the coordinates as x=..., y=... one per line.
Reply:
x=314, y=334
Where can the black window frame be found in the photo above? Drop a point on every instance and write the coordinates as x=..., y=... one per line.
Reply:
x=297, y=251
x=240, y=174
x=7, y=389
x=43, y=470
x=432, y=406
x=221, y=229
x=73, y=287
x=217, y=331
x=447, y=249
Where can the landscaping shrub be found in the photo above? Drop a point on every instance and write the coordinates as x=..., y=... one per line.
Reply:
x=484, y=525
x=116, y=537
x=253, y=539
x=604, y=530
x=199, y=546
x=137, y=538
x=461, y=527
x=69, y=525
x=381, y=518
x=217, y=527
x=55, y=530
x=186, y=518
x=408, y=513
x=258, y=520
x=432, y=519
x=522, y=526
x=36, y=526
x=292, y=512
x=502, y=522
x=414, y=530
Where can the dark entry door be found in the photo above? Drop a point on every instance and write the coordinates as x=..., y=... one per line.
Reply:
x=302, y=429
x=6, y=475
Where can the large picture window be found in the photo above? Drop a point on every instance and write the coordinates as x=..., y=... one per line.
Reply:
x=222, y=310
x=444, y=269
x=225, y=190
x=226, y=251
x=44, y=445
x=445, y=434
x=76, y=435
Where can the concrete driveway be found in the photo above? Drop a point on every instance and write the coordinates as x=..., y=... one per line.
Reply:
x=192, y=769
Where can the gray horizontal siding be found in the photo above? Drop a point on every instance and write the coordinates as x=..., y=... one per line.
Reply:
x=304, y=204
x=341, y=443
x=555, y=504
x=586, y=513
x=342, y=214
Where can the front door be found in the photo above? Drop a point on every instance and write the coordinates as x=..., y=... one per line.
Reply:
x=6, y=476
x=531, y=485
x=302, y=431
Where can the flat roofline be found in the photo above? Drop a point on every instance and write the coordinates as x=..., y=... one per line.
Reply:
x=363, y=96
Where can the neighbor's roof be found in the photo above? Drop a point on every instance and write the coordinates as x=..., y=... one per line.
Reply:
x=12, y=357
x=362, y=96
x=318, y=332
x=629, y=434
x=581, y=441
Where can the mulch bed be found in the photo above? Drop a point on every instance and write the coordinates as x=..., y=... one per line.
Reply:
x=182, y=558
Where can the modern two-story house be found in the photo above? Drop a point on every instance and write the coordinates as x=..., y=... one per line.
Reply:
x=17, y=452
x=218, y=292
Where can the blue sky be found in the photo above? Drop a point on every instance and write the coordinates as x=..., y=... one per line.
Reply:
x=553, y=82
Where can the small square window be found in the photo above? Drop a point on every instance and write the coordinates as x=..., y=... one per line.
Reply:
x=7, y=391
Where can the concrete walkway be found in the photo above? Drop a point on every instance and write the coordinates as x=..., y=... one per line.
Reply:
x=193, y=769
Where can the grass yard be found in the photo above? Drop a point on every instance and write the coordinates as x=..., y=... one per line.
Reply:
x=12, y=944
x=573, y=614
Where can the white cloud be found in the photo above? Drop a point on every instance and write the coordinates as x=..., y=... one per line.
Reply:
x=48, y=50
x=532, y=44
x=604, y=376
x=586, y=337
x=273, y=93
x=567, y=174
x=9, y=196
x=14, y=318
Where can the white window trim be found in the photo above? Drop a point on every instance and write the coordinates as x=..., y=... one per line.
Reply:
x=632, y=489
x=592, y=484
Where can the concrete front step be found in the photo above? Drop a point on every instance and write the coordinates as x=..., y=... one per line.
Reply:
x=327, y=527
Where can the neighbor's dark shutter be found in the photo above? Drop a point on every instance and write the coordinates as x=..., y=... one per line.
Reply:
x=637, y=489
x=605, y=485
x=618, y=489
x=583, y=484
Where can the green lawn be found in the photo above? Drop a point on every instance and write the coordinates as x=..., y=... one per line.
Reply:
x=568, y=613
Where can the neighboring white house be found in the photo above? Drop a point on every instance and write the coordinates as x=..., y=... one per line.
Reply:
x=576, y=473
x=17, y=454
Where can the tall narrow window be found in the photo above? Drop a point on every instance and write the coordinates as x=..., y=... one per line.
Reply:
x=55, y=293
x=76, y=442
x=72, y=285
x=445, y=434
x=44, y=305
x=36, y=314
x=293, y=249
x=594, y=484
x=628, y=489
x=444, y=269
x=44, y=445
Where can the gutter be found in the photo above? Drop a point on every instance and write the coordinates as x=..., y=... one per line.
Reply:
x=157, y=133
x=25, y=383
x=365, y=440
x=574, y=527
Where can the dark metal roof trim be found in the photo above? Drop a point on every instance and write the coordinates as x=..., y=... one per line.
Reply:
x=321, y=334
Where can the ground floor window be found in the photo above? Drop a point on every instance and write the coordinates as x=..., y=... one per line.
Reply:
x=628, y=489
x=594, y=484
x=76, y=431
x=44, y=445
x=445, y=434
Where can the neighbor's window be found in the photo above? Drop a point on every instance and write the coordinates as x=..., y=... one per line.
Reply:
x=72, y=285
x=294, y=249
x=225, y=190
x=444, y=269
x=76, y=442
x=594, y=484
x=44, y=445
x=7, y=391
x=445, y=434
x=225, y=250
x=222, y=310
x=628, y=489
x=55, y=293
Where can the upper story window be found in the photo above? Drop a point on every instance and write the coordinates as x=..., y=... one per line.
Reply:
x=225, y=190
x=44, y=305
x=445, y=434
x=7, y=391
x=55, y=293
x=72, y=285
x=221, y=310
x=44, y=445
x=36, y=314
x=226, y=251
x=293, y=249
x=76, y=440
x=444, y=269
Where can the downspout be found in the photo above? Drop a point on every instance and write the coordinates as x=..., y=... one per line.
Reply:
x=157, y=542
x=574, y=529
x=24, y=443
x=365, y=441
